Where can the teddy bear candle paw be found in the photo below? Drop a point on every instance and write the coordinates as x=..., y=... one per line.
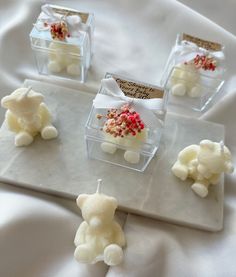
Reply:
x=204, y=164
x=27, y=116
x=99, y=236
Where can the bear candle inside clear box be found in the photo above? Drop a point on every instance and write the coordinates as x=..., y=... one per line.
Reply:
x=126, y=122
x=194, y=72
x=61, y=40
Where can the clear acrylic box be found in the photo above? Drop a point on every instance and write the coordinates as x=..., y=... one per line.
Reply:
x=68, y=56
x=194, y=73
x=130, y=151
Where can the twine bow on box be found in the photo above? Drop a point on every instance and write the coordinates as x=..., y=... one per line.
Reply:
x=70, y=25
x=115, y=98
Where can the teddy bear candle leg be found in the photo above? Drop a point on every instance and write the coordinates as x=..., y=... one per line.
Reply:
x=200, y=188
x=23, y=139
x=132, y=157
x=113, y=255
x=178, y=89
x=49, y=132
x=85, y=254
x=108, y=147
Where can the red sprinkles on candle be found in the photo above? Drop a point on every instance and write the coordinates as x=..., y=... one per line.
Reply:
x=205, y=62
x=123, y=122
x=59, y=30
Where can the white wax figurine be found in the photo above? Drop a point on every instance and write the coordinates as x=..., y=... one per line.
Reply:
x=61, y=58
x=27, y=116
x=124, y=127
x=99, y=237
x=184, y=80
x=204, y=164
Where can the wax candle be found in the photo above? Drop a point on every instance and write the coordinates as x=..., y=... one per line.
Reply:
x=124, y=127
x=184, y=81
x=204, y=164
x=60, y=58
x=27, y=116
x=99, y=236
x=187, y=77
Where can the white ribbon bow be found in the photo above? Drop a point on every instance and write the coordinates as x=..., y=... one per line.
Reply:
x=115, y=98
x=187, y=51
x=74, y=22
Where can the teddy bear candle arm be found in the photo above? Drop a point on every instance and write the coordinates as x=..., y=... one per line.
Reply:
x=80, y=234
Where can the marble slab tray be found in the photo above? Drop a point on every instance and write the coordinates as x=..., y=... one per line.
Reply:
x=61, y=166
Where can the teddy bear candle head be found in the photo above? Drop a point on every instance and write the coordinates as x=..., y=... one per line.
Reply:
x=22, y=102
x=99, y=237
x=105, y=208
x=217, y=163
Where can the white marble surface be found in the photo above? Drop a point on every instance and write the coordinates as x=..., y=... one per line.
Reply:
x=61, y=166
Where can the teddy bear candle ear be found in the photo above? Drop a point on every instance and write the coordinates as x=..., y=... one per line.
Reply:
x=6, y=101
x=37, y=97
x=28, y=93
x=114, y=202
x=229, y=167
x=207, y=143
x=81, y=199
x=25, y=94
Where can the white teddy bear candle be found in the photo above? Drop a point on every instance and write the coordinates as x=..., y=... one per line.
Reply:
x=204, y=164
x=124, y=127
x=186, y=76
x=60, y=58
x=184, y=81
x=27, y=116
x=99, y=236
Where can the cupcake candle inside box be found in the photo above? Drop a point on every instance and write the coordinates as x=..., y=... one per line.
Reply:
x=194, y=72
x=125, y=123
x=61, y=40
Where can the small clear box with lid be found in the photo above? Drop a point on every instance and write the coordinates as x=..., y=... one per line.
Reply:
x=125, y=123
x=62, y=42
x=194, y=73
